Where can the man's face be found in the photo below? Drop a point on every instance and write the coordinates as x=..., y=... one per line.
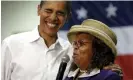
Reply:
x=53, y=15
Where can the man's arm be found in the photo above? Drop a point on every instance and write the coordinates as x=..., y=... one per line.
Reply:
x=5, y=61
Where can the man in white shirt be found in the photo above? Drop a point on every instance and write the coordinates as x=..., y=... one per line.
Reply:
x=36, y=55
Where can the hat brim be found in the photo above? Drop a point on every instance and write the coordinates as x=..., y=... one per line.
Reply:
x=94, y=32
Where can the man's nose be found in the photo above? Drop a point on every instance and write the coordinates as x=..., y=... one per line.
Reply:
x=53, y=17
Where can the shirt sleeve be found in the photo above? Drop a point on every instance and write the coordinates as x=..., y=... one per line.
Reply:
x=5, y=61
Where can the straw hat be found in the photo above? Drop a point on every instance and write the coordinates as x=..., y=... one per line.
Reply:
x=97, y=29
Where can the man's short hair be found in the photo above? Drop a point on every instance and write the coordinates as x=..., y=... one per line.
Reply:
x=68, y=5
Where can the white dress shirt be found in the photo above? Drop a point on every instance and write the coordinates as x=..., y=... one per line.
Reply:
x=25, y=56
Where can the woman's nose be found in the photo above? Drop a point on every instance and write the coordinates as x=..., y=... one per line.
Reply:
x=75, y=47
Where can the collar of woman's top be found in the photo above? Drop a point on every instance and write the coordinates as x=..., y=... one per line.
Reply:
x=85, y=74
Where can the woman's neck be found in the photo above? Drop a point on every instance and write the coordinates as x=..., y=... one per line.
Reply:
x=84, y=67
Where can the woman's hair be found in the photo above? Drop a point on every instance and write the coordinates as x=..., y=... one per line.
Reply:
x=102, y=55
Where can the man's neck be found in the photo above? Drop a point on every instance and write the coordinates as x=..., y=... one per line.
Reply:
x=49, y=39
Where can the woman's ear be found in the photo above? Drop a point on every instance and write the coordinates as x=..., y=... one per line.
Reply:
x=38, y=10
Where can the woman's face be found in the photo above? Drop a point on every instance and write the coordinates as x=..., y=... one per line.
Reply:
x=82, y=50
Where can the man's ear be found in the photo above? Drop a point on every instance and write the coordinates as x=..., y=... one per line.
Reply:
x=68, y=17
x=38, y=10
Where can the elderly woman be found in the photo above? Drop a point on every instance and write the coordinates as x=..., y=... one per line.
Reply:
x=94, y=48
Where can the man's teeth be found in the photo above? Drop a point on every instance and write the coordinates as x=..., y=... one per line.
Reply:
x=51, y=25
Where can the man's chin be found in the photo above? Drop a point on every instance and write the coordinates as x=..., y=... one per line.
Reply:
x=53, y=34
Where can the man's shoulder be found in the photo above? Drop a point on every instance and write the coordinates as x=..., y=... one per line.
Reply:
x=20, y=37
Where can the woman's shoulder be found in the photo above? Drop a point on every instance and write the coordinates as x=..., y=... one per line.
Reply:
x=109, y=75
x=103, y=75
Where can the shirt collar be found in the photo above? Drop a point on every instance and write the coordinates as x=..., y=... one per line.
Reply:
x=61, y=42
x=34, y=35
x=92, y=73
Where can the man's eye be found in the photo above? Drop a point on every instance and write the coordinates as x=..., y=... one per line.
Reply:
x=61, y=13
x=48, y=11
